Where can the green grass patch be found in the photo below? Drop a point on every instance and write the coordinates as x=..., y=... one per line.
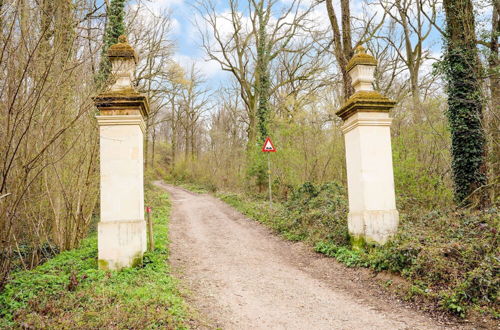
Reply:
x=193, y=187
x=69, y=291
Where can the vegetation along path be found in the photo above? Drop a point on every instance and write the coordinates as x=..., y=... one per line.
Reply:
x=242, y=276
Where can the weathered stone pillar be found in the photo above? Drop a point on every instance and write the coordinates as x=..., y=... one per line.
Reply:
x=122, y=229
x=373, y=217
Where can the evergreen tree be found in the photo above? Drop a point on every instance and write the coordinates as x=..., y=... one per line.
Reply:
x=465, y=100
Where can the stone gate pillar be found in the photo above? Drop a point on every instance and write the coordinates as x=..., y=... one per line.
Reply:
x=373, y=217
x=122, y=110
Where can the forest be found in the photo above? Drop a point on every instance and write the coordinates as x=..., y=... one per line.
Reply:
x=283, y=68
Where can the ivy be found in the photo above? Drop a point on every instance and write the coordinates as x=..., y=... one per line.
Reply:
x=465, y=101
x=115, y=27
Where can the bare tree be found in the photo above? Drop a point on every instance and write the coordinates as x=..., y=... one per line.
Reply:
x=415, y=29
x=194, y=99
x=48, y=155
x=251, y=45
x=342, y=38
x=150, y=36
x=494, y=81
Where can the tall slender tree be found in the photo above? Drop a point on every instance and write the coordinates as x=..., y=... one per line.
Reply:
x=256, y=40
x=342, y=38
x=415, y=28
x=494, y=75
x=263, y=52
x=465, y=101
x=114, y=28
x=249, y=50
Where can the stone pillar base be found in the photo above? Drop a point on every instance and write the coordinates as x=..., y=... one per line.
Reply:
x=121, y=243
x=372, y=226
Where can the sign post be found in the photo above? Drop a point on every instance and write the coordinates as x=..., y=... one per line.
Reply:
x=269, y=147
x=151, y=242
x=269, y=180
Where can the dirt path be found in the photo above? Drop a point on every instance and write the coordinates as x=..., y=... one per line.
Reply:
x=241, y=276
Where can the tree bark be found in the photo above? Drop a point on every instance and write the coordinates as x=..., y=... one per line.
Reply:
x=153, y=138
x=146, y=146
x=494, y=67
x=465, y=104
x=342, y=42
x=263, y=72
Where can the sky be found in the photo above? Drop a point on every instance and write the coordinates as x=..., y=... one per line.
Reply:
x=187, y=38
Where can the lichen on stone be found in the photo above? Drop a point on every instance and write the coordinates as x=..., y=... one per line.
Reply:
x=126, y=100
x=137, y=260
x=103, y=264
x=361, y=58
x=122, y=50
x=130, y=92
x=358, y=242
x=369, y=101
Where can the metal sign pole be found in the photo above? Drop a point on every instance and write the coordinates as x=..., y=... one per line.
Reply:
x=269, y=147
x=151, y=242
x=269, y=174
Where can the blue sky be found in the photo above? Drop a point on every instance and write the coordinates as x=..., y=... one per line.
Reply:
x=187, y=37
x=187, y=40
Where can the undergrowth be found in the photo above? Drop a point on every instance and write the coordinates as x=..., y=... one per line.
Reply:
x=69, y=291
x=450, y=257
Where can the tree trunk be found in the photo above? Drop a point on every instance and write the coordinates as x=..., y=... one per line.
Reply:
x=262, y=74
x=153, y=138
x=342, y=42
x=494, y=66
x=146, y=146
x=115, y=27
x=465, y=103
x=252, y=125
x=186, y=143
x=193, y=142
x=173, y=127
x=174, y=145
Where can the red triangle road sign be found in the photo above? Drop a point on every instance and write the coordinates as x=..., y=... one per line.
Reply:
x=268, y=146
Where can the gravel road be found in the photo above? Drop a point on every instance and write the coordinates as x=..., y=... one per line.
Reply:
x=241, y=276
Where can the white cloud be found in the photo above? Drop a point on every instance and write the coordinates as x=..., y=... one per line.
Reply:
x=164, y=3
x=210, y=69
x=156, y=7
x=175, y=26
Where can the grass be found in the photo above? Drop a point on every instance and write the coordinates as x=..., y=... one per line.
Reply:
x=68, y=291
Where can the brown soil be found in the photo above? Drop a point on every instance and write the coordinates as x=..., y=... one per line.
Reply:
x=242, y=276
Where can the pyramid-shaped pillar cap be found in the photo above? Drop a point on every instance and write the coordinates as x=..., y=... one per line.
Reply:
x=361, y=68
x=121, y=97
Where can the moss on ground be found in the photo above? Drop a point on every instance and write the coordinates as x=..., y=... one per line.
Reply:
x=69, y=291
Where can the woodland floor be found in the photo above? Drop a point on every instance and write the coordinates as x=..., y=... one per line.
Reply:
x=239, y=275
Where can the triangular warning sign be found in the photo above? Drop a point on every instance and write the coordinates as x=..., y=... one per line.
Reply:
x=268, y=146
